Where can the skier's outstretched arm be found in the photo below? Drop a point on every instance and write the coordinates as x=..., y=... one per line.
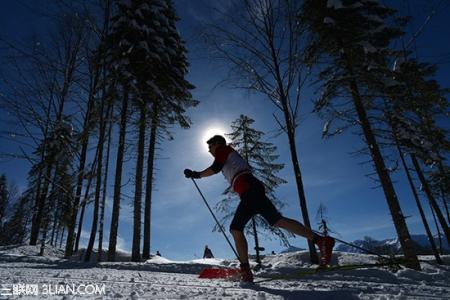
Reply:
x=215, y=168
x=207, y=172
x=194, y=174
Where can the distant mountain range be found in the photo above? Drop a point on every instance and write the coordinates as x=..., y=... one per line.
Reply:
x=392, y=246
x=387, y=246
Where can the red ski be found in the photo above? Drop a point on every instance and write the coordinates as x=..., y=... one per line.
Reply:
x=214, y=273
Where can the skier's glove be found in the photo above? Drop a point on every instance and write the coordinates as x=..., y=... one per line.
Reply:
x=191, y=174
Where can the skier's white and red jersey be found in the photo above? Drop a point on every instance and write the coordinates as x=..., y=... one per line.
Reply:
x=234, y=168
x=237, y=172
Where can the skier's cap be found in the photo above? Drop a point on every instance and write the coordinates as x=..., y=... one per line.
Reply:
x=217, y=139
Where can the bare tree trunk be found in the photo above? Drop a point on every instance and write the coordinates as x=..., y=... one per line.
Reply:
x=109, y=113
x=85, y=139
x=62, y=237
x=290, y=126
x=419, y=206
x=431, y=199
x=53, y=205
x=34, y=220
x=118, y=178
x=35, y=228
x=105, y=184
x=80, y=220
x=300, y=188
x=80, y=177
x=35, y=223
x=71, y=53
x=59, y=229
x=41, y=195
x=46, y=218
x=383, y=174
x=438, y=231
x=135, y=251
x=98, y=183
x=83, y=205
x=55, y=222
x=43, y=241
x=444, y=199
x=149, y=183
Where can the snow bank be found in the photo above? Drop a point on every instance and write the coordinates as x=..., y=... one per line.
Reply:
x=28, y=252
x=162, y=278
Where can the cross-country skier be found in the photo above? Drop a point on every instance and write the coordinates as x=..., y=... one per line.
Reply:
x=253, y=201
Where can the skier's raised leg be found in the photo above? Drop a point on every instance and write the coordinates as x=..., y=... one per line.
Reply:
x=325, y=243
x=295, y=227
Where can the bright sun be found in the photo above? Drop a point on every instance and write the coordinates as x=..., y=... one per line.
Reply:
x=209, y=133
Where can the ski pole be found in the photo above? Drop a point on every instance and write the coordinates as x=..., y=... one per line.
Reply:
x=217, y=222
x=362, y=249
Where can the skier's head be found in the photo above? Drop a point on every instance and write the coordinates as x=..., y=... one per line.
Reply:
x=215, y=142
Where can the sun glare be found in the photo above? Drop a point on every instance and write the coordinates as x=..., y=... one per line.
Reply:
x=209, y=133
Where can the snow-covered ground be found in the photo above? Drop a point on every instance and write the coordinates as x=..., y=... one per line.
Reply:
x=161, y=278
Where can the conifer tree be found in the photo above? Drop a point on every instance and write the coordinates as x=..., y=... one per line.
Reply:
x=149, y=55
x=440, y=185
x=129, y=52
x=137, y=32
x=61, y=196
x=14, y=231
x=413, y=100
x=61, y=153
x=170, y=109
x=353, y=37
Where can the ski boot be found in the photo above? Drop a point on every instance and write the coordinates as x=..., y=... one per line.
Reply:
x=246, y=273
x=326, y=245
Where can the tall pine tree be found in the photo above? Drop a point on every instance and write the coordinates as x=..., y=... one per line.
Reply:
x=354, y=38
x=414, y=101
x=14, y=231
x=168, y=110
x=149, y=55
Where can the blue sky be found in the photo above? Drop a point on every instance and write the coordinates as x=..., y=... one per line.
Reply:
x=181, y=224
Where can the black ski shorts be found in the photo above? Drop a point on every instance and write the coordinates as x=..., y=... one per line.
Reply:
x=254, y=201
